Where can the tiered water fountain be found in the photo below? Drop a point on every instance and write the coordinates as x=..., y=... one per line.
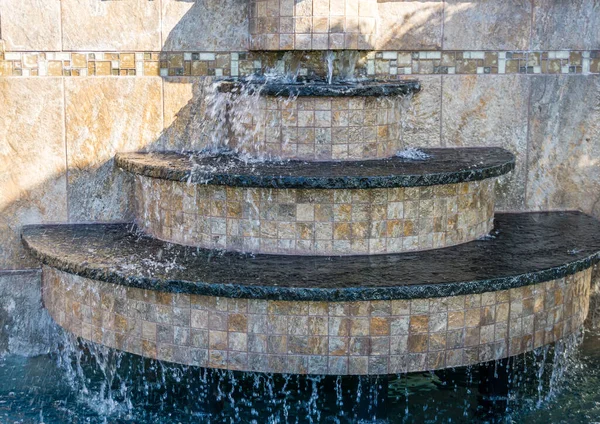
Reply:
x=338, y=252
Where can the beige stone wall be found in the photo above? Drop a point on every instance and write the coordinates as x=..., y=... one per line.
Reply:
x=301, y=337
x=82, y=79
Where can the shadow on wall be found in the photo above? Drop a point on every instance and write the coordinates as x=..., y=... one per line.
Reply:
x=416, y=25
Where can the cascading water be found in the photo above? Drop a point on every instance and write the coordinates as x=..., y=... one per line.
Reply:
x=100, y=385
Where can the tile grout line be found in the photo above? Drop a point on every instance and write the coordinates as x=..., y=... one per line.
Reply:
x=527, y=142
x=64, y=112
x=443, y=24
x=442, y=140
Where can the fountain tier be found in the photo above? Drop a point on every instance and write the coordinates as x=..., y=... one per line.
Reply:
x=345, y=315
x=316, y=121
x=341, y=208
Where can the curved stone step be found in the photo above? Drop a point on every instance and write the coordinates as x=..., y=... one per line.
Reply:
x=319, y=209
x=525, y=287
x=443, y=166
x=525, y=248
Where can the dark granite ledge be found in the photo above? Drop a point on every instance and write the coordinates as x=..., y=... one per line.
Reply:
x=526, y=248
x=445, y=166
x=320, y=88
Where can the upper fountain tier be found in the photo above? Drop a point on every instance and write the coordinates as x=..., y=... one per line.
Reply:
x=314, y=120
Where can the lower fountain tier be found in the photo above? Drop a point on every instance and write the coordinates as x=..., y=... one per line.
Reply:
x=300, y=208
x=525, y=287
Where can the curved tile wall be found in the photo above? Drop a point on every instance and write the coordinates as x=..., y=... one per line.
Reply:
x=315, y=221
x=303, y=337
x=322, y=128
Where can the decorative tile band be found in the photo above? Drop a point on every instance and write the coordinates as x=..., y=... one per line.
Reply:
x=380, y=64
x=315, y=222
x=362, y=337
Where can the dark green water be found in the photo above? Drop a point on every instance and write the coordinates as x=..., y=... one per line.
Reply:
x=556, y=385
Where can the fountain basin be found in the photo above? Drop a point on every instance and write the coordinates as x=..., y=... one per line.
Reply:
x=359, y=315
x=339, y=208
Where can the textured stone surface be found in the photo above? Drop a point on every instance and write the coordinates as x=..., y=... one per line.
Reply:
x=524, y=249
x=364, y=337
x=487, y=25
x=321, y=88
x=210, y=25
x=312, y=24
x=408, y=25
x=30, y=24
x=26, y=329
x=105, y=116
x=564, y=156
x=316, y=128
x=314, y=222
x=484, y=111
x=111, y=25
x=184, y=108
x=440, y=166
x=421, y=114
x=32, y=162
x=563, y=25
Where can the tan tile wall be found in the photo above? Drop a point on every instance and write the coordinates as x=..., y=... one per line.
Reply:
x=363, y=337
x=315, y=222
x=312, y=24
x=319, y=128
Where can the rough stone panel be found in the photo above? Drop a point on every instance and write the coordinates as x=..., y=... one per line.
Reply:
x=483, y=111
x=564, y=25
x=30, y=24
x=111, y=25
x=32, y=162
x=105, y=116
x=487, y=25
x=421, y=118
x=184, y=113
x=210, y=25
x=25, y=327
x=409, y=25
x=564, y=155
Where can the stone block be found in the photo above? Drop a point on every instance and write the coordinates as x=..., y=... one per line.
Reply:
x=487, y=25
x=409, y=25
x=30, y=25
x=205, y=25
x=32, y=162
x=105, y=116
x=111, y=25
x=483, y=111
x=564, y=152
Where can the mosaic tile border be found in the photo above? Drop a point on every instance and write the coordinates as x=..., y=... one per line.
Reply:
x=341, y=338
x=382, y=64
x=315, y=222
